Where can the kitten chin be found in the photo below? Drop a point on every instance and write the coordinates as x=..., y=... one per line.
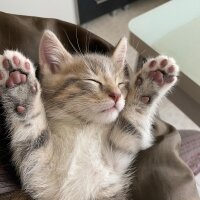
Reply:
x=110, y=115
x=107, y=117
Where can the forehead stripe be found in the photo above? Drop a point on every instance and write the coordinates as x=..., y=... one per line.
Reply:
x=66, y=84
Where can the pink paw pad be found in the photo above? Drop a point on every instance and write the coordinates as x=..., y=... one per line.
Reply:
x=9, y=83
x=164, y=62
x=171, y=69
x=157, y=76
x=145, y=99
x=152, y=63
x=20, y=109
x=16, y=60
x=34, y=89
x=23, y=78
x=6, y=63
x=27, y=65
x=15, y=78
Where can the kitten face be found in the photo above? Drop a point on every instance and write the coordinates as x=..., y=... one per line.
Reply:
x=89, y=87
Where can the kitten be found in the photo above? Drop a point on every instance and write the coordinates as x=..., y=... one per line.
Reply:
x=78, y=142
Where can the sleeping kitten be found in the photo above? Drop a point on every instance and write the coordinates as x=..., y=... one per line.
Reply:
x=78, y=142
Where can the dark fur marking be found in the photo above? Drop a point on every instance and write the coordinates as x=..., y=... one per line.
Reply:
x=85, y=86
x=41, y=140
x=80, y=118
x=126, y=126
x=94, y=68
x=28, y=146
x=75, y=95
x=126, y=71
x=27, y=125
x=19, y=70
x=66, y=84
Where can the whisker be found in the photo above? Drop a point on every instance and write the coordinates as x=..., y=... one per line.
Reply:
x=71, y=42
x=77, y=41
x=86, y=47
x=81, y=51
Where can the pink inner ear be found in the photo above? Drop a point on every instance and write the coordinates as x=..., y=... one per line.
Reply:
x=54, y=68
x=120, y=59
x=120, y=52
x=51, y=52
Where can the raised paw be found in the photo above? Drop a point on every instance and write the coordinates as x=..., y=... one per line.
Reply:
x=18, y=84
x=157, y=77
x=14, y=69
x=162, y=70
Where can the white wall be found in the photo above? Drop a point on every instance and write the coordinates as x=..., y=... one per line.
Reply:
x=60, y=9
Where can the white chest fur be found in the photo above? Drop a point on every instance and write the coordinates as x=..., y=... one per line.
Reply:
x=87, y=166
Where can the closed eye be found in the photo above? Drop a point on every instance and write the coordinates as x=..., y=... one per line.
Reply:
x=122, y=84
x=93, y=80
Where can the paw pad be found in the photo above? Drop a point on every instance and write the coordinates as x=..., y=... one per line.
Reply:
x=145, y=99
x=16, y=60
x=157, y=76
x=27, y=65
x=163, y=62
x=14, y=69
x=6, y=63
x=15, y=78
x=152, y=63
x=171, y=69
x=162, y=70
x=20, y=109
x=34, y=89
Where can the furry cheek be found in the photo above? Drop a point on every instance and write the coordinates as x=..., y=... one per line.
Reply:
x=120, y=104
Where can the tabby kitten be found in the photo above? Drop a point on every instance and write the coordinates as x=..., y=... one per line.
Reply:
x=78, y=142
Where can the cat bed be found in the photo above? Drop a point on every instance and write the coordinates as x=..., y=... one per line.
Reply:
x=190, y=149
x=190, y=152
x=160, y=173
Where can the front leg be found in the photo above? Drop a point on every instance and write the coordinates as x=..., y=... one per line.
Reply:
x=133, y=128
x=21, y=98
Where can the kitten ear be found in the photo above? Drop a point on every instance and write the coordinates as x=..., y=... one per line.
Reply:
x=119, y=54
x=52, y=54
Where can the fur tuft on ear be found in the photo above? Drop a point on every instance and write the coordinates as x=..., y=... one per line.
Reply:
x=119, y=54
x=52, y=53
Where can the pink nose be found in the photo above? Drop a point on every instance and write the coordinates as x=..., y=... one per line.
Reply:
x=115, y=96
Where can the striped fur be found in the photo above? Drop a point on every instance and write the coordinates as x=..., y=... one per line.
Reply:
x=77, y=143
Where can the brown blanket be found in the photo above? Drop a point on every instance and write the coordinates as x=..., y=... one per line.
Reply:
x=160, y=172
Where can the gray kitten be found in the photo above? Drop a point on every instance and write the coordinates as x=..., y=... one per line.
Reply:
x=78, y=142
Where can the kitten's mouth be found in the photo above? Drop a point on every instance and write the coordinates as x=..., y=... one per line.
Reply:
x=112, y=108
